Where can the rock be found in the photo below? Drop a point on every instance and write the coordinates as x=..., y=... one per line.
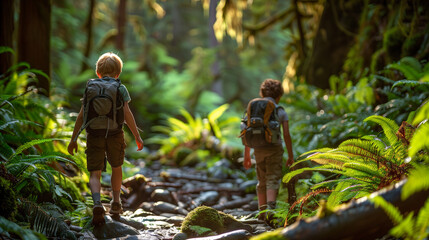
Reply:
x=139, y=213
x=220, y=169
x=163, y=207
x=207, y=198
x=180, y=236
x=209, y=218
x=130, y=222
x=162, y=195
x=113, y=229
x=249, y=186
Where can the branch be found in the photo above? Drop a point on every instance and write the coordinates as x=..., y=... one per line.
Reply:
x=268, y=22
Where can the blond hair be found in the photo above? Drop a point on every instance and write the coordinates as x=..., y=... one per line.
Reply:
x=109, y=64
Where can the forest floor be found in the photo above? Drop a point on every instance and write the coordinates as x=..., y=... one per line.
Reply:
x=157, y=199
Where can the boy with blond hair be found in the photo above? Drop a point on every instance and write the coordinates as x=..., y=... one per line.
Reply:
x=106, y=143
x=269, y=158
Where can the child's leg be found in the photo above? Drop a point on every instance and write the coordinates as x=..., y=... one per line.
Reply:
x=271, y=197
x=95, y=185
x=116, y=182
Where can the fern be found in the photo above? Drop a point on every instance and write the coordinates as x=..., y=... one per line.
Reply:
x=44, y=223
x=393, y=213
x=410, y=83
x=31, y=144
x=417, y=181
x=410, y=227
x=7, y=227
x=420, y=140
x=389, y=127
x=365, y=169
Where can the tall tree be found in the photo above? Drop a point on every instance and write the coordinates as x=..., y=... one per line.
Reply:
x=217, y=85
x=6, y=32
x=122, y=19
x=34, y=39
x=88, y=27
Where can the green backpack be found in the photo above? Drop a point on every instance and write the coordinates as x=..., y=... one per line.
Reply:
x=260, y=125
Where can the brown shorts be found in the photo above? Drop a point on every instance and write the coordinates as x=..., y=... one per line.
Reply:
x=269, y=167
x=97, y=148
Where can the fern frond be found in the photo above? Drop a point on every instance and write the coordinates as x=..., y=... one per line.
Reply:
x=332, y=158
x=44, y=223
x=365, y=169
x=422, y=221
x=324, y=168
x=417, y=181
x=10, y=227
x=363, y=149
x=420, y=140
x=393, y=212
x=389, y=127
x=31, y=144
x=410, y=83
x=405, y=229
x=341, y=194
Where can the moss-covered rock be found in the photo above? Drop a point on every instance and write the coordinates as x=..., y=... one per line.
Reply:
x=205, y=217
x=205, y=221
x=8, y=206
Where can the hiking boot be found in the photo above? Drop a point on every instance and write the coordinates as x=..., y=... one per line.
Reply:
x=115, y=208
x=98, y=214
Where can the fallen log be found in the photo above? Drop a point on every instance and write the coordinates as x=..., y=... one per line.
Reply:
x=359, y=219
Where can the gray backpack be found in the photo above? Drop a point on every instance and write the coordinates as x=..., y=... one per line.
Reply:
x=103, y=107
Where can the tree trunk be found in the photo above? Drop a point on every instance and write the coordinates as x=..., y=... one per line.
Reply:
x=217, y=85
x=88, y=27
x=6, y=33
x=122, y=14
x=331, y=43
x=34, y=39
x=359, y=219
x=302, y=47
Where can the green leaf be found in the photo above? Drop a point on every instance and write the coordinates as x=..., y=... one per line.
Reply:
x=420, y=140
x=418, y=180
x=4, y=49
x=390, y=128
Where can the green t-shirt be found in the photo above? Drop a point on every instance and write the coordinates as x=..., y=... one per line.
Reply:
x=124, y=92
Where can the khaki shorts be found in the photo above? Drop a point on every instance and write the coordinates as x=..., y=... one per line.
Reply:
x=269, y=167
x=97, y=148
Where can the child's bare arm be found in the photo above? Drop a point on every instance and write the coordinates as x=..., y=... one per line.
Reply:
x=72, y=147
x=131, y=123
x=288, y=142
x=247, y=163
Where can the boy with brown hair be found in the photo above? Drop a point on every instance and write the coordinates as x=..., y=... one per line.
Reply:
x=269, y=158
x=105, y=137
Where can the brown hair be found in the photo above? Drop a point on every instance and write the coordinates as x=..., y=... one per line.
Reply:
x=271, y=88
x=109, y=64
